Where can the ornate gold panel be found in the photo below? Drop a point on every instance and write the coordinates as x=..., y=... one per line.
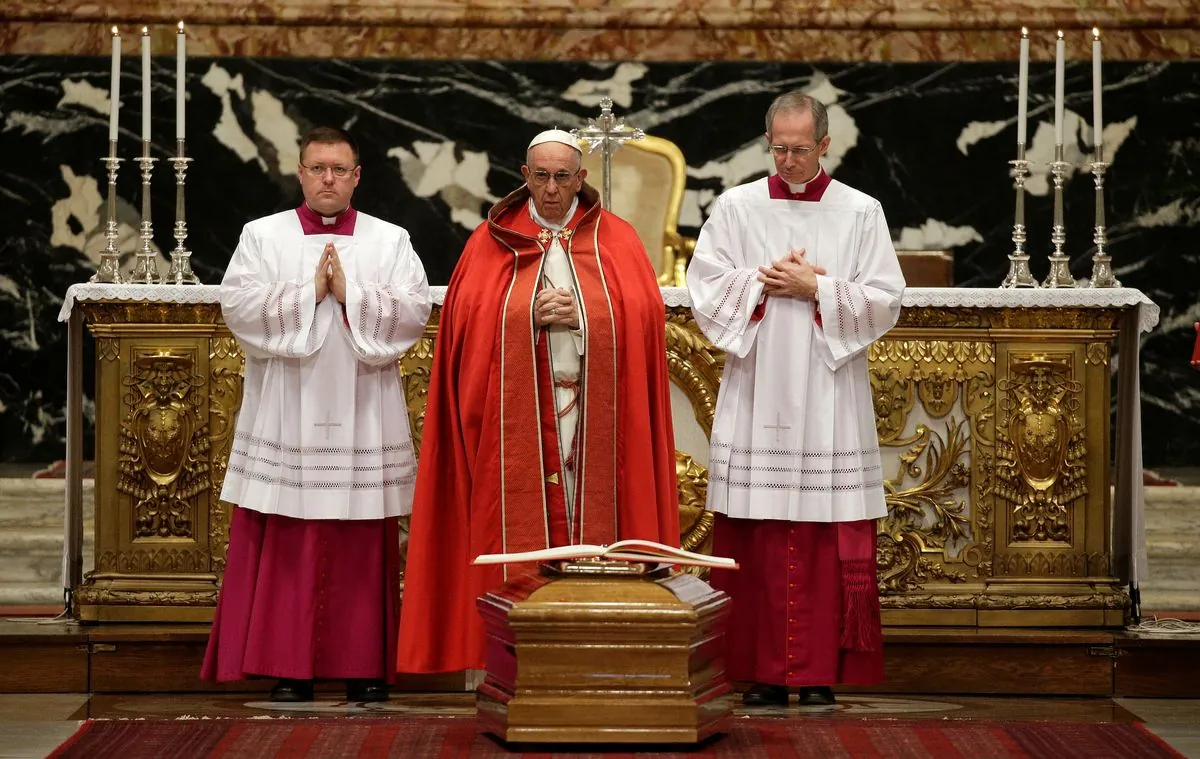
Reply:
x=226, y=372
x=695, y=522
x=415, y=368
x=988, y=419
x=160, y=459
x=694, y=365
x=163, y=459
x=1040, y=446
x=933, y=412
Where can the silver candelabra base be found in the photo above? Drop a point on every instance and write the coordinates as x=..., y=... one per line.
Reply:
x=145, y=263
x=1060, y=271
x=1102, y=273
x=108, y=270
x=181, y=272
x=1018, y=261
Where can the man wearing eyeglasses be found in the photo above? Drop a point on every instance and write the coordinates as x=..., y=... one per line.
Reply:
x=323, y=300
x=794, y=276
x=549, y=418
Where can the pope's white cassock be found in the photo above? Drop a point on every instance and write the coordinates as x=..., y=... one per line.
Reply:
x=795, y=469
x=322, y=460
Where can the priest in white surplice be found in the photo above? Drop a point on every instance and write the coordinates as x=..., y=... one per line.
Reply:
x=323, y=300
x=794, y=276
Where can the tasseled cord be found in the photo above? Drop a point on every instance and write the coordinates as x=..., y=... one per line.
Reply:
x=861, y=629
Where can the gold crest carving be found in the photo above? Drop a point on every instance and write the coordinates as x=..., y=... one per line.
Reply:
x=1040, y=446
x=163, y=458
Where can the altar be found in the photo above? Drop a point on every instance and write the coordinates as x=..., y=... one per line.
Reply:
x=1007, y=506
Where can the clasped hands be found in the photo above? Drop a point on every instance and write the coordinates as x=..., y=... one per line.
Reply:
x=791, y=277
x=555, y=305
x=329, y=277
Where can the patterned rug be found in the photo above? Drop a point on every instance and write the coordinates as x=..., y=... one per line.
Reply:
x=750, y=738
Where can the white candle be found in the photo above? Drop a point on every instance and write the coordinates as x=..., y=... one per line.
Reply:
x=1023, y=87
x=114, y=86
x=180, y=90
x=1097, y=115
x=145, y=84
x=1059, y=71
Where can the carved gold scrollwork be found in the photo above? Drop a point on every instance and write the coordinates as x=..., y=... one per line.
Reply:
x=163, y=460
x=108, y=349
x=1112, y=599
x=149, y=312
x=936, y=528
x=1041, y=447
x=695, y=366
x=187, y=560
x=416, y=367
x=953, y=352
x=1096, y=354
x=893, y=399
x=926, y=516
x=941, y=317
x=695, y=522
x=980, y=555
x=938, y=391
x=1053, y=564
x=226, y=371
x=86, y=595
x=979, y=402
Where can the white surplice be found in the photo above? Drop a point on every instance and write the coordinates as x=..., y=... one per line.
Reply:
x=323, y=428
x=794, y=433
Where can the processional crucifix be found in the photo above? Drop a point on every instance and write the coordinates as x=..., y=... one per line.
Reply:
x=608, y=134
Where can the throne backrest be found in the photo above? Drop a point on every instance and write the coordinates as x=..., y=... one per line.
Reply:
x=648, y=178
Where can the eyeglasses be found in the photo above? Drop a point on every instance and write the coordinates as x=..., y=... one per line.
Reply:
x=561, y=178
x=318, y=171
x=781, y=151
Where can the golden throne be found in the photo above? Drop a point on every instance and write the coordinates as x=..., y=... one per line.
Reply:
x=648, y=178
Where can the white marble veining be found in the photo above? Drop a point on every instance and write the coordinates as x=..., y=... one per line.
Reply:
x=442, y=140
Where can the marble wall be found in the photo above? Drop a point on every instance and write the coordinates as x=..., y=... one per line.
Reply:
x=651, y=30
x=922, y=117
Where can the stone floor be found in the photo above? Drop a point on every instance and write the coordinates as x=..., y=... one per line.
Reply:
x=31, y=726
x=31, y=514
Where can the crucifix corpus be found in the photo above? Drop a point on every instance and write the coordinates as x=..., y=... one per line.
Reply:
x=607, y=134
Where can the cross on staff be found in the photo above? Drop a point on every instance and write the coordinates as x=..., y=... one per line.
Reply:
x=608, y=134
x=327, y=424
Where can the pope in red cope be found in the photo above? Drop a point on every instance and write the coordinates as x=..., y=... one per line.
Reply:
x=548, y=420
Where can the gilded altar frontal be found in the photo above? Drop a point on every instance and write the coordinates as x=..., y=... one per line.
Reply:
x=994, y=425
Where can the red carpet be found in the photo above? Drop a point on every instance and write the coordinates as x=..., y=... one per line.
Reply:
x=751, y=737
